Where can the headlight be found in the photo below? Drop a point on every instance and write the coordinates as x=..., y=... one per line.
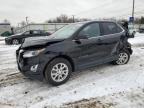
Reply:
x=32, y=53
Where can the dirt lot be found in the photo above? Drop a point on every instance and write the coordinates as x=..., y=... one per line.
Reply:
x=105, y=86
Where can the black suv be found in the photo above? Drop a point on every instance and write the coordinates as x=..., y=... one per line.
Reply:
x=74, y=47
x=18, y=38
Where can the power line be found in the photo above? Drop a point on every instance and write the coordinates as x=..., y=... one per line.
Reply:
x=136, y=13
x=141, y=11
x=115, y=11
x=92, y=9
x=112, y=11
x=102, y=5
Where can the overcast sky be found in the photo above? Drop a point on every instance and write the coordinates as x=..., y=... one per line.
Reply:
x=39, y=11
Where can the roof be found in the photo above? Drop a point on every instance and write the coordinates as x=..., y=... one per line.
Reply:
x=4, y=23
x=85, y=22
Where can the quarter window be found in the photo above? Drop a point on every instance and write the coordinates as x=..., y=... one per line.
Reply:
x=110, y=28
x=92, y=30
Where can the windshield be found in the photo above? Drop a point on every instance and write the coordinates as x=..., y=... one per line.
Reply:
x=66, y=31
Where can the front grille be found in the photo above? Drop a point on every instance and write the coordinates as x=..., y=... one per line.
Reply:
x=20, y=57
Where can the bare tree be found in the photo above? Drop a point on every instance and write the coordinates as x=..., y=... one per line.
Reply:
x=65, y=19
x=6, y=21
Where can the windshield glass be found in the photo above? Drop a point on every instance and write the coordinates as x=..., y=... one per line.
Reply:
x=66, y=31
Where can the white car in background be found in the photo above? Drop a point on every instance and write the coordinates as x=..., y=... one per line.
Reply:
x=132, y=29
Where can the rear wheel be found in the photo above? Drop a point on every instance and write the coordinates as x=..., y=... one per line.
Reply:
x=58, y=71
x=15, y=41
x=123, y=58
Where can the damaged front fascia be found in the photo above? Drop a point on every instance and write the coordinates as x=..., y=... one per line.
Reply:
x=39, y=45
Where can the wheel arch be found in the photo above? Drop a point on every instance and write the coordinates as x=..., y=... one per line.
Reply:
x=61, y=56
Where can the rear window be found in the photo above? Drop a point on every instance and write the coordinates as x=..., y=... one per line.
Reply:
x=110, y=28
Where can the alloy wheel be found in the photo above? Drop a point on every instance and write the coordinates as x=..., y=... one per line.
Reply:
x=123, y=58
x=59, y=72
x=15, y=42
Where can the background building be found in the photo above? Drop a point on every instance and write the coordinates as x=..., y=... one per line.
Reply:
x=49, y=27
x=5, y=27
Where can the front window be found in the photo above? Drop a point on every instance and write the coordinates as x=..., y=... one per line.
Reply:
x=66, y=31
x=92, y=30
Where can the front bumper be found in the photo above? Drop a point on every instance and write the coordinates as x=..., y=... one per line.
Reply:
x=30, y=67
x=7, y=41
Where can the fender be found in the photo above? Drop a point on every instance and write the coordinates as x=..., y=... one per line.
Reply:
x=125, y=45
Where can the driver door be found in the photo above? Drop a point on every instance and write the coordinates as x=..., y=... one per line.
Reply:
x=90, y=49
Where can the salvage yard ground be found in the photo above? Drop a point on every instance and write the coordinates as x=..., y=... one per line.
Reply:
x=105, y=86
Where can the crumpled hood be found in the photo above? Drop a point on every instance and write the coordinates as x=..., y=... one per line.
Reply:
x=39, y=41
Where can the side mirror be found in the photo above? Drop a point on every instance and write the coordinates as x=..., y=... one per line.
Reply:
x=77, y=40
x=79, y=37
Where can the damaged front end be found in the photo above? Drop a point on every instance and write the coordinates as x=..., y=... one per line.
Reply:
x=31, y=57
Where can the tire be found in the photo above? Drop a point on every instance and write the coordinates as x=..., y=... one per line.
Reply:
x=124, y=57
x=15, y=42
x=53, y=73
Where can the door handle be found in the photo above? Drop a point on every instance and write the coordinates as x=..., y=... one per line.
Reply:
x=99, y=42
x=77, y=41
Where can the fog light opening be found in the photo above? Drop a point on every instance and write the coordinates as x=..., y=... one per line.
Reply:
x=34, y=68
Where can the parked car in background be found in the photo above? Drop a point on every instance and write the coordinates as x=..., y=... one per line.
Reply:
x=141, y=30
x=5, y=29
x=131, y=29
x=6, y=34
x=18, y=38
x=74, y=47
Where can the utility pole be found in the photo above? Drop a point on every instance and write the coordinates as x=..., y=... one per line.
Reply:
x=27, y=20
x=73, y=18
x=133, y=9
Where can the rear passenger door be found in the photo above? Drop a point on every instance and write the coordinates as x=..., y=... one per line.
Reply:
x=110, y=37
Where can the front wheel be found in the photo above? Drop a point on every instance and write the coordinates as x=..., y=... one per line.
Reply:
x=123, y=58
x=15, y=41
x=58, y=71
